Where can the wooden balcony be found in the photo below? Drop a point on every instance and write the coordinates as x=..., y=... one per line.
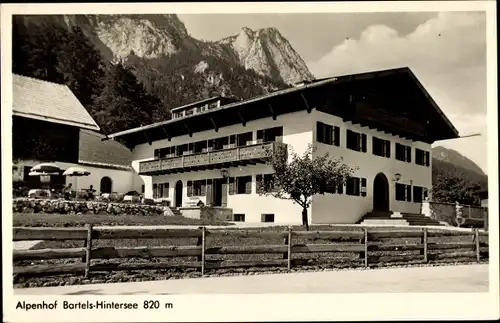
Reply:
x=240, y=156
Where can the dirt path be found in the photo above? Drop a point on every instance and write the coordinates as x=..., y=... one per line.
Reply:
x=464, y=278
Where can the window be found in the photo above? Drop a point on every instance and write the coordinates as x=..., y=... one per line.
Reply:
x=356, y=141
x=353, y=186
x=381, y=147
x=143, y=189
x=219, y=143
x=327, y=134
x=240, y=185
x=200, y=147
x=335, y=189
x=403, y=192
x=403, y=153
x=264, y=181
x=419, y=194
x=270, y=134
x=239, y=217
x=422, y=157
x=196, y=188
x=363, y=187
x=244, y=138
x=199, y=187
x=267, y=217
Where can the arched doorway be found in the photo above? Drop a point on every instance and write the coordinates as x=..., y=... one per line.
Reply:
x=380, y=193
x=106, y=185
x=178, y=194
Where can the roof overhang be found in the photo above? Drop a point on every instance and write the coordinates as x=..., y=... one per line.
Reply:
x=400, y=90
x=56, y=120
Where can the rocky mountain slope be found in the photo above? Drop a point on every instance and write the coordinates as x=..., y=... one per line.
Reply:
x=157, y=37
x=267, y=52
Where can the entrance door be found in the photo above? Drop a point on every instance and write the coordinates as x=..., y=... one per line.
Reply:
x=380, y=193
x=220, y=192
x=106, y=185
x=178, y=194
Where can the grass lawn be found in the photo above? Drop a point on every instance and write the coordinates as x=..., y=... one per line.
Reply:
x=74, y=220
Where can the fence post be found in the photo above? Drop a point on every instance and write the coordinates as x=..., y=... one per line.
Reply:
x=88, y=250
x=289, y=263
x=285, y=241
x=366, y=246
x=425, y=243
x=203, y=239
x=478, y=253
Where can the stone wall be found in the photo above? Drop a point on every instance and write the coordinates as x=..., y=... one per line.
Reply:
x=212, y=214
x=216, y=213
x=27, y=205
x=453, y=214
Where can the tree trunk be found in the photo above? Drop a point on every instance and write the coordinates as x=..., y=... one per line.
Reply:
x=304, y=219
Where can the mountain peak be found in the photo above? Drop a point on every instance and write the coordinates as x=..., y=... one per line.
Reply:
x=267, y=52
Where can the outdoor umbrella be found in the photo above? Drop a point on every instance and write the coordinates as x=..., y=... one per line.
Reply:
x=76, y=172
x=45, y=168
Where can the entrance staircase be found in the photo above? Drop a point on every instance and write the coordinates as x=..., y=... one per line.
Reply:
x=391, y=218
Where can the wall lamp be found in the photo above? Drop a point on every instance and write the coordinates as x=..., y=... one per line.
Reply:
x=224, y=173
x=397, y=177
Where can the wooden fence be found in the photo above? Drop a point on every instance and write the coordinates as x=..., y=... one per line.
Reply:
x=365, y=243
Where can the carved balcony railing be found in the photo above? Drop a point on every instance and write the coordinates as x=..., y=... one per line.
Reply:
x=244, y=155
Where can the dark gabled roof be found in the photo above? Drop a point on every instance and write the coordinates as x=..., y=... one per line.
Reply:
x=399, y=86
x=42, y=100
x=94, y=151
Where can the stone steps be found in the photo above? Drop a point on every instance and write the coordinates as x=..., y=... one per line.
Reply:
x=387, y=218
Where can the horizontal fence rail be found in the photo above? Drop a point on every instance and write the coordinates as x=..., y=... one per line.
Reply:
x=362, y=244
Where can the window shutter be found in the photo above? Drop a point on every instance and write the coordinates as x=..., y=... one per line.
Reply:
x=340, y=188
x=231, y=185
x=363, y=143
x=258, y=183
x=189, y=188
x=363, y=187
x=165, y=189
x=319, y=132
x=203, y=188
x=336, y=136
x=209, y=199
x=427, y=158
x=408, y=193
x=408, y=156
x=388, y=147
x=248, y=186
x=155, y=189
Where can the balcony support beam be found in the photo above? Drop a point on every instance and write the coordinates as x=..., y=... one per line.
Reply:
x=189, y=130
x=147, y=138
x=243, y=122
x=308, y=108
x=272, y=112
x=214, y=124
x=166, y=134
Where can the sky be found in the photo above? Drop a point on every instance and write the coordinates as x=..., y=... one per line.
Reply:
x=445, y=50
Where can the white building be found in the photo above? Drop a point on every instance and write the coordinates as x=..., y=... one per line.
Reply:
x=384, y=122
x=51, y=125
